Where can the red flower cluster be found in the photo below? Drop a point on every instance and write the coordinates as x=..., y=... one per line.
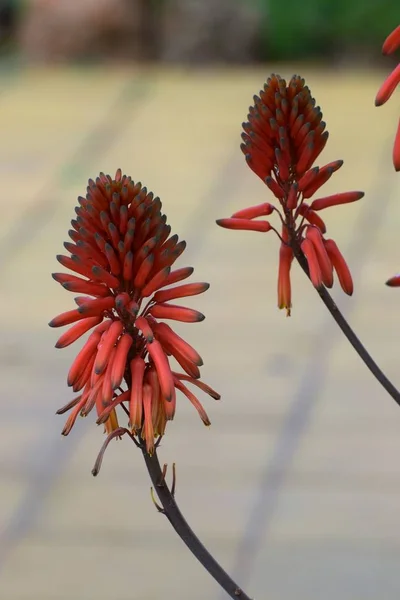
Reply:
x=391, y=44
x=282, y=139
x=123, y=253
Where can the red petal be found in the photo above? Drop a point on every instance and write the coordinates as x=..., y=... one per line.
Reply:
x=157, y=281
x=81, y=286
x=283, y=166
x=275, y=188
x=293, y=196
x=85, y=376
x=200, y=384
x=244, y=224
x=198, y=406
x=308, y=178
x=336, y=199
x=311, y=216
x=119, y=362
x=108, y=341
x=178, y=275
x=306, y=158
x=314, y=235
x=144, y=326
x=253, y=212
x=96, y=307
x=163, y=369
x=66, y=318
x=128, y=266
x=147, y=430
x=176, y=343
x=313, y=265
x=80, y=362
x=394, y=281
x=63, y=277
x=76, y=264
x=105, y=277
x=122, y=300
x=72, y=417
x=177, y=313
x=181, y=291
x=113, y=260
x=76, y=331
x=135, y=404
x=392, y=41
x=340, y=266
x=107, y=389
x=324, y=174
x=388, y=86
x=284, y=285
x=124, y=397
x=143, y=272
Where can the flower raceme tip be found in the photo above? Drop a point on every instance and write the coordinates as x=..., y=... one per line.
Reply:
x=121, y=255
x=283, y=137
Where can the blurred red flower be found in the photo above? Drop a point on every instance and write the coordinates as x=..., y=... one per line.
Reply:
x=390, y=45
x=283, y=137
x=123, y=252
x=394, y=281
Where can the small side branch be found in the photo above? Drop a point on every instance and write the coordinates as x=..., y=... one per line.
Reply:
x=171, y=511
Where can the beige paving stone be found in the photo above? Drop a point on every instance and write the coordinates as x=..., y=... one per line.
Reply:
x=12, y=493
x=300, y=460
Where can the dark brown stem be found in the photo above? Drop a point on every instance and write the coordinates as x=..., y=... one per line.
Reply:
x=349, y=333
x=171, y=511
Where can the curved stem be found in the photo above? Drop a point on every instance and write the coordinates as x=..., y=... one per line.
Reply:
x=171, y=511
x=349, y=333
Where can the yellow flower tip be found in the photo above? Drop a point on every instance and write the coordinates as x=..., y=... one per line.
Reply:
x=288, y=309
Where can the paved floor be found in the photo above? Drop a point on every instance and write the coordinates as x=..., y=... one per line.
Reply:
x=296, y=485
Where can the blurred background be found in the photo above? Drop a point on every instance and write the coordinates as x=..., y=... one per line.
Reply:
x=296, y=485
x=195, y=31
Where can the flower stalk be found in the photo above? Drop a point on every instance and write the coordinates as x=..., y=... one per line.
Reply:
x=351, y=335
x=171, y=510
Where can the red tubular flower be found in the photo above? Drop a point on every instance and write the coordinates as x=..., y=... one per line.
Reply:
x=390, y=45
x=282, y=139
x=284, y=285
x=122, y=251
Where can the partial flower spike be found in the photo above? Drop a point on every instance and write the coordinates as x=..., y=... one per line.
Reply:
x=283, y=136
x=394, y=281
x=121, y=256
x=390, y=45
